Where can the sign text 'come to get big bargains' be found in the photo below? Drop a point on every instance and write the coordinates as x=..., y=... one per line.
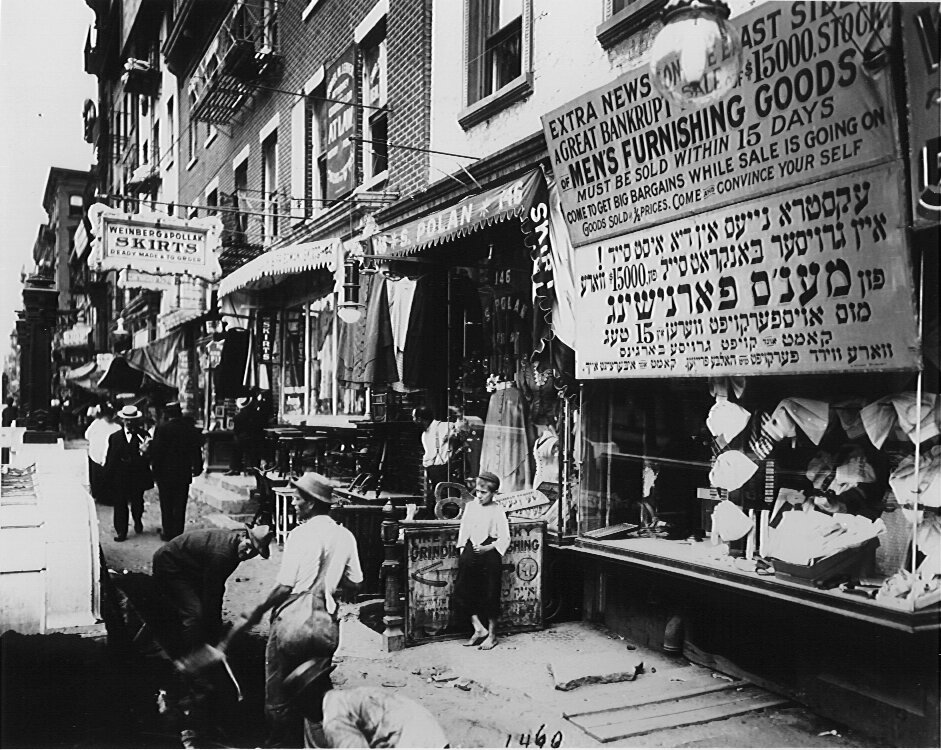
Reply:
x=805, y=109
x=814, y=279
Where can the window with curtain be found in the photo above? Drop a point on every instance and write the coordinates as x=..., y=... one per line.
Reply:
x=373, y=89
x=269, y=186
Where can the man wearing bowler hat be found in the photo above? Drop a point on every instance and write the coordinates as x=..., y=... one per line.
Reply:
x=319, y=556
x=127, y=470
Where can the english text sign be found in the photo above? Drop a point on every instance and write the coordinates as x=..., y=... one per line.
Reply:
x=807, y=107
x=814, y=279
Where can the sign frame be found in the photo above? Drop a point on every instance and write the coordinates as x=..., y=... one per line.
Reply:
x=342, y=94
x=524, y=574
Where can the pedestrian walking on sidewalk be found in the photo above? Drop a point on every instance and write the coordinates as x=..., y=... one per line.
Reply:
x=483, y=539
x=176, y=456
x=366, y=716
x=97, y=435
x=249, y=433
x=127, y=471
x=320, y=560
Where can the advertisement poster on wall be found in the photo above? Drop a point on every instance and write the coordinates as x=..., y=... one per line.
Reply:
x=810, y=280
x=815, y=100
x=341, y=124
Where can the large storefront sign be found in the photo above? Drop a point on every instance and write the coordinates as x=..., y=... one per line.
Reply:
x=815, y=100
x=154, y=244
x=921, y=28
x=811, y=280
x=431, y=557
x=341, y=124
x=489, y=207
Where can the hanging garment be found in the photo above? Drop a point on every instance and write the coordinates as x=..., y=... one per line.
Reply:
x=379, y=365
x=726, y=420
x=401, y=293
x=927, y=491
x=546, y=455
x=506, y=449
x=351, y=348
x=810, y=415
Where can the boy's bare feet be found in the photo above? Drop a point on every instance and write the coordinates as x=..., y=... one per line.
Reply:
x=489, y=643
x=477, y=638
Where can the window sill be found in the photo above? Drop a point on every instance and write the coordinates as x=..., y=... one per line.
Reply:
x=632, y=19
x=516, y=90
x=191, y=163
x=305, y=14
x=373, y=181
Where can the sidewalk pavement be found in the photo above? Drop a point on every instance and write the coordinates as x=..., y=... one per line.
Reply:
x=505, y=697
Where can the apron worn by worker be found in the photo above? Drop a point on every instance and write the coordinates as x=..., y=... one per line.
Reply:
x=305, y=629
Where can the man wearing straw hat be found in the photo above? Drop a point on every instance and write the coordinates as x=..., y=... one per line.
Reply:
x=127, y=470
x=320, y=558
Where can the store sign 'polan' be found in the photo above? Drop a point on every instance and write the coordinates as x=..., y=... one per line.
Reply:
x=431, y=557
x=811, y=280
x=807, y=108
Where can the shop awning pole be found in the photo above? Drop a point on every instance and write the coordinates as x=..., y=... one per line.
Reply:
x=307, y=358
x=335, y=385
x=918, y=386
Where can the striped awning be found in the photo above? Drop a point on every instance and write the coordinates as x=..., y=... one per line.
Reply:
x=490, y=207
x=273, y=266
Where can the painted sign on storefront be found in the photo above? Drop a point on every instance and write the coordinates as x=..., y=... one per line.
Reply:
x=266, y=337
x=814, y=101
x=431, y=557
x=814, y=279
x=150, y=244
x=341, y=124
x=921, y=29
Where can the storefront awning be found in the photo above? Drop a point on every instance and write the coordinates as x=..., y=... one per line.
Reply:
x=121, y=377
x=271, y=267
x=490, y=207
x=82, y=372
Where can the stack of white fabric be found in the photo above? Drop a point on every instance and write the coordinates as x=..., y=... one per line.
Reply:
x=804, y=537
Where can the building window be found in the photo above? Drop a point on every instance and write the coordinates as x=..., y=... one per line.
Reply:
x=623, y=18
x=75, y=205
x=193, y=127
x=494, y=46
x=318, y=150
x=269, y=186
x=376, y=121
x=498, y=69
x=171, y=131
x=212, y=201
x=240, y=182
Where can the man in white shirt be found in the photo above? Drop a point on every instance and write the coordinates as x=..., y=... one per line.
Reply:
x=318, y=551
x=97, y=434
x=437, y=452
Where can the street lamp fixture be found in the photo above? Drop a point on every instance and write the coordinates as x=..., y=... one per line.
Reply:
x=350, y=308
x=696, y=57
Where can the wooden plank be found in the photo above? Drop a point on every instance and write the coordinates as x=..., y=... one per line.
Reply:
x=600, y=716
x=696, y=708
x=665, y=684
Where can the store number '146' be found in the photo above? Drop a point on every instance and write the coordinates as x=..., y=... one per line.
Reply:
x=538, y=739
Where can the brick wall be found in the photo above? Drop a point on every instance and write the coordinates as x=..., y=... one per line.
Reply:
x=305, y=45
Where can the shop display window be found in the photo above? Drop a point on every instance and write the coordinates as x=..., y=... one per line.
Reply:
x=806, y=479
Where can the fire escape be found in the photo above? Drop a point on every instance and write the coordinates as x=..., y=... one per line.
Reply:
x=244, y=53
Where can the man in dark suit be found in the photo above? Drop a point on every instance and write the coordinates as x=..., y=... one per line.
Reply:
x=127, y=471
x=176, y=457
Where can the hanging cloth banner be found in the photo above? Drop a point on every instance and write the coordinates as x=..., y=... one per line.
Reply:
x=154, y=243
x=158, y=360
x=490, y=207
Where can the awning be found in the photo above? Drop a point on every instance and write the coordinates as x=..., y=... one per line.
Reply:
x=495, y=205
x=86, y=377
x=158, y=359
x=81, y=241
x=271, y=267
